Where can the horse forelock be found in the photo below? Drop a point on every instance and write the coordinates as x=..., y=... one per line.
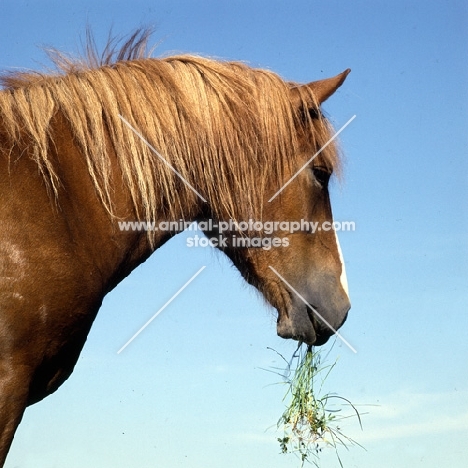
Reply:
x=228, y=129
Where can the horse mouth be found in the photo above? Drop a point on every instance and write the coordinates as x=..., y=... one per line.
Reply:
x=304, y=324
x=320, y=337
x=300, y=325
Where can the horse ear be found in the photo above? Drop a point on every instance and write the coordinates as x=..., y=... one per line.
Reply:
x=321, y=90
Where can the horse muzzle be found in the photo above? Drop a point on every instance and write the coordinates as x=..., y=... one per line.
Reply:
x=307, y=324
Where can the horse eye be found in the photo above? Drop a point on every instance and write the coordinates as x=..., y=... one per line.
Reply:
x=314, y=113
x=322, y=175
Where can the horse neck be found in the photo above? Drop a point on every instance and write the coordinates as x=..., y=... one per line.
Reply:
x=115, y=251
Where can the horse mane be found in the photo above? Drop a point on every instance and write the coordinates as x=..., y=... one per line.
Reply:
x=230, y=130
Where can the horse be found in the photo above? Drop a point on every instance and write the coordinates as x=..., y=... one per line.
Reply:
x=125, y=136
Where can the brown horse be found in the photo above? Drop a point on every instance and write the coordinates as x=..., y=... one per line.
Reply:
x=228, y=138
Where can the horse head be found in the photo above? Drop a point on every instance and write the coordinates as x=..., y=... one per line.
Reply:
x=293, y=255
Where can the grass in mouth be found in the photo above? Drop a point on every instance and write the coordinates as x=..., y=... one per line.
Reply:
x=310, y=421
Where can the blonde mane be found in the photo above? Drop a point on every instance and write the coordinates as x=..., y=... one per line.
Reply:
x=228, y=129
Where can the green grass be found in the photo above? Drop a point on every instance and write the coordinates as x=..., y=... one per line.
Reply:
x=310, y=421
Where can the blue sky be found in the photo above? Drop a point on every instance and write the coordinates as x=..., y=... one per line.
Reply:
x=190, y=390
